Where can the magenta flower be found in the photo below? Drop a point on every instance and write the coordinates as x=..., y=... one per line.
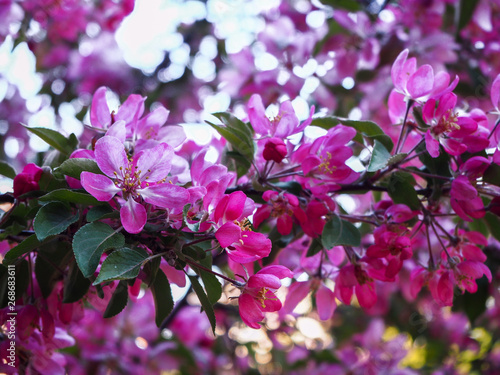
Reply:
x=140, y=179
x=282, y=206
x=258, y=295
x=413, y=83
x=447, y=128
x=275, y=150
x=283, y=125
x=235, y=233
x=354, y=279
x=27, y=180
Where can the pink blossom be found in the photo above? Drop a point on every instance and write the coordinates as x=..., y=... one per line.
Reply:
x=275, y=150
x=141, y=179
x=354, y=279
x=235, y=233
x=27, y=180
x=447, y=128
x=283, y=125
x=409, y=81
x=282, y=206
x=258, y=295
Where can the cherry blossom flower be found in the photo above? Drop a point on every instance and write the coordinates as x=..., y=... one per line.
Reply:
x=258, y=294
x=283, y=125
x=354, y=279
x=235, y=234
x=447, y=128
x=27, y=180
x=282, y=206
x=138, y=180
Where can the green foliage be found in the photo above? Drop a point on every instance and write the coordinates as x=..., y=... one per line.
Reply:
x=29, y=244
x=366, y=129
x=204, y=300
x=53, y=218
x=379, y=158
x=55, y=139
x=69, y=196
x=6, y=170
x=240, y=136
x=51, y=261
x=340, y=232
x=91, y=241
x=75, y=284
x=401, y=190
x=121, y=264
x=118, y=300
x=75, y=166
x=162, y=296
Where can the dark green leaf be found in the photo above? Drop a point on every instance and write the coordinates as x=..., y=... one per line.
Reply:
x=30, y=243
x=379, y=158
x=162, y=296
x=493, y=223
x=121, y=264
x=22, y=274
x=118, y=300
x=52, y=258
x=351, y=5
x=53, y=138
x=70, y=196
x=75, y=166
x=151, y=269
x=212, y=286
x=340, y=232
x=91, y=241
x=401, y=190
x=367, y=129
x=6, y=170
x=466, y=11
x=315, y=247
x=53, y=218
x=492, y=174
x=205, y=302
x=75, y=284
x=236, y=139
x=100, y=212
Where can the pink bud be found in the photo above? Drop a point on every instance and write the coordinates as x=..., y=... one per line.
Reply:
x=27, y=180
x=275, y=150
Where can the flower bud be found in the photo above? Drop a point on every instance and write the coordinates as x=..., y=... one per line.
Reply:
x=27, y=180
x=275, y=150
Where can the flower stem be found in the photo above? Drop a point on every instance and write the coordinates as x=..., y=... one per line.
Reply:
x=408, y=106
x=199, y=266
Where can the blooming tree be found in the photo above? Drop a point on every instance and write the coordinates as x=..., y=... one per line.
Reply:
x=342, y=217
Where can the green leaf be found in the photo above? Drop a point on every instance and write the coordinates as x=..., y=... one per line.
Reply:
x=466, y=11
x=121, y=264
x=75, y=285
x=70, y=196
x=314, y=248
x=492, y=174
x=53, y=218
x=22, y=274
x=351, y=5
x=75, y=166
x=6, y=170
x=91, y=241
x=401, y=190
x=100, y=212
x=232, y=122
x=379, y=158
x=367, y=129
x=340, y=232
x=53, y=138
x=205, y=302
x=212, y=285
x=162, y=295
x=51, y=259
x=118, y=300
x=493, y=223
x=30, y=243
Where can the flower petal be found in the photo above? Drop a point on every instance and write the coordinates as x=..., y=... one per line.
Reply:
x=228, y=234
x=325, y=302
x=154, y=164
x=100, y=116
x=165, y=195
x=250, y=311
x=99, y=186
x=110, y=156
x=133, y=216
x=420, y=83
